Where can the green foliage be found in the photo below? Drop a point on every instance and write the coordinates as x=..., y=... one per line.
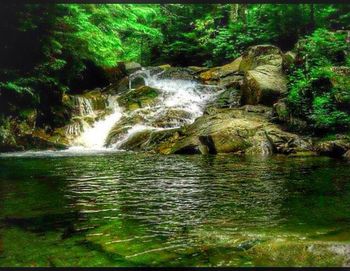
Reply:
x=318, y=93
x=325, y=114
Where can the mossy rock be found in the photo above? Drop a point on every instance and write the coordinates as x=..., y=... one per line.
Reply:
x=263, y=85
x=295, y=253
x=217, y=73
x=138, y=98
x=259, y=55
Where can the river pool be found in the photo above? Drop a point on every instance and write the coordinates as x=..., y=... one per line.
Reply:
x=128, y=209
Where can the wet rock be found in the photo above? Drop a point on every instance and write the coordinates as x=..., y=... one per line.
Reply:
x=216, y=74
x=158, y=69
x=161, y=141
x=97, y=99
x=237, y=131
x=138, y=98
x=32, y=142
x=198, y=70
x=118, y=87
x=171, y=118
x=229, y=98
x=121, y=128
x=135, y=141
x=129, y=67
x=261, y=109
x=152, y=140
x=280, y=111
x=261, y=55
x=263, y=85
x=333, y=148
x=137, y=82
x=177, y=73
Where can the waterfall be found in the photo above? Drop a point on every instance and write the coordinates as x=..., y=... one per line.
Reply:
x=84, y=106
x=94, y=136
x=180, y=102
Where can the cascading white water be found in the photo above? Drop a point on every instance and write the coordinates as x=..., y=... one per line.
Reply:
x=179, y=102
x=84, y=106
x=94, y=137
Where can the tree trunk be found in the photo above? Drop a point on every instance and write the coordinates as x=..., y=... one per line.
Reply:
x=312, y=17
x=234, y=12
x=243, y=15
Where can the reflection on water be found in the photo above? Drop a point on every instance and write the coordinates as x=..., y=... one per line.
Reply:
x=126, y=209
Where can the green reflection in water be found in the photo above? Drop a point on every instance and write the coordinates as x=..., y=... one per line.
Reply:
x=125, y=209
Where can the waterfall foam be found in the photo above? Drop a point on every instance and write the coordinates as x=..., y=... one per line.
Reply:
x=179, y=102
x=94, y=137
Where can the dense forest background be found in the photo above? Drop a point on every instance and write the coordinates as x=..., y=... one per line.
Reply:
x=49, y=50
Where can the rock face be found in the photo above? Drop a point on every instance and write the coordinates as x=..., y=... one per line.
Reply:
x=260, y=55
x=224, y=76
x=225, y=131
x=264, y=81
x=263, y=85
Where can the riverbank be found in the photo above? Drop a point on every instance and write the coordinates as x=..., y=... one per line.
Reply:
x=238, y=108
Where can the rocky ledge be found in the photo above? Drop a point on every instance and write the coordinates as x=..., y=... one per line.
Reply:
x=249, y=116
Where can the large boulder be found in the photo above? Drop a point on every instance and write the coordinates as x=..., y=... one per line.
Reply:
x=172, y=117
x=261, y=55
x=263, y=85
x=129, y=67
x=237, y=131
x=152, y=140
x=225, y=131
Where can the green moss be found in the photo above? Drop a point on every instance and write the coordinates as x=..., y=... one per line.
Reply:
x=294, y=253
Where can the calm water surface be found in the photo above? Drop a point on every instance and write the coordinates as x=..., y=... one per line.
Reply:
x=126, y=209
